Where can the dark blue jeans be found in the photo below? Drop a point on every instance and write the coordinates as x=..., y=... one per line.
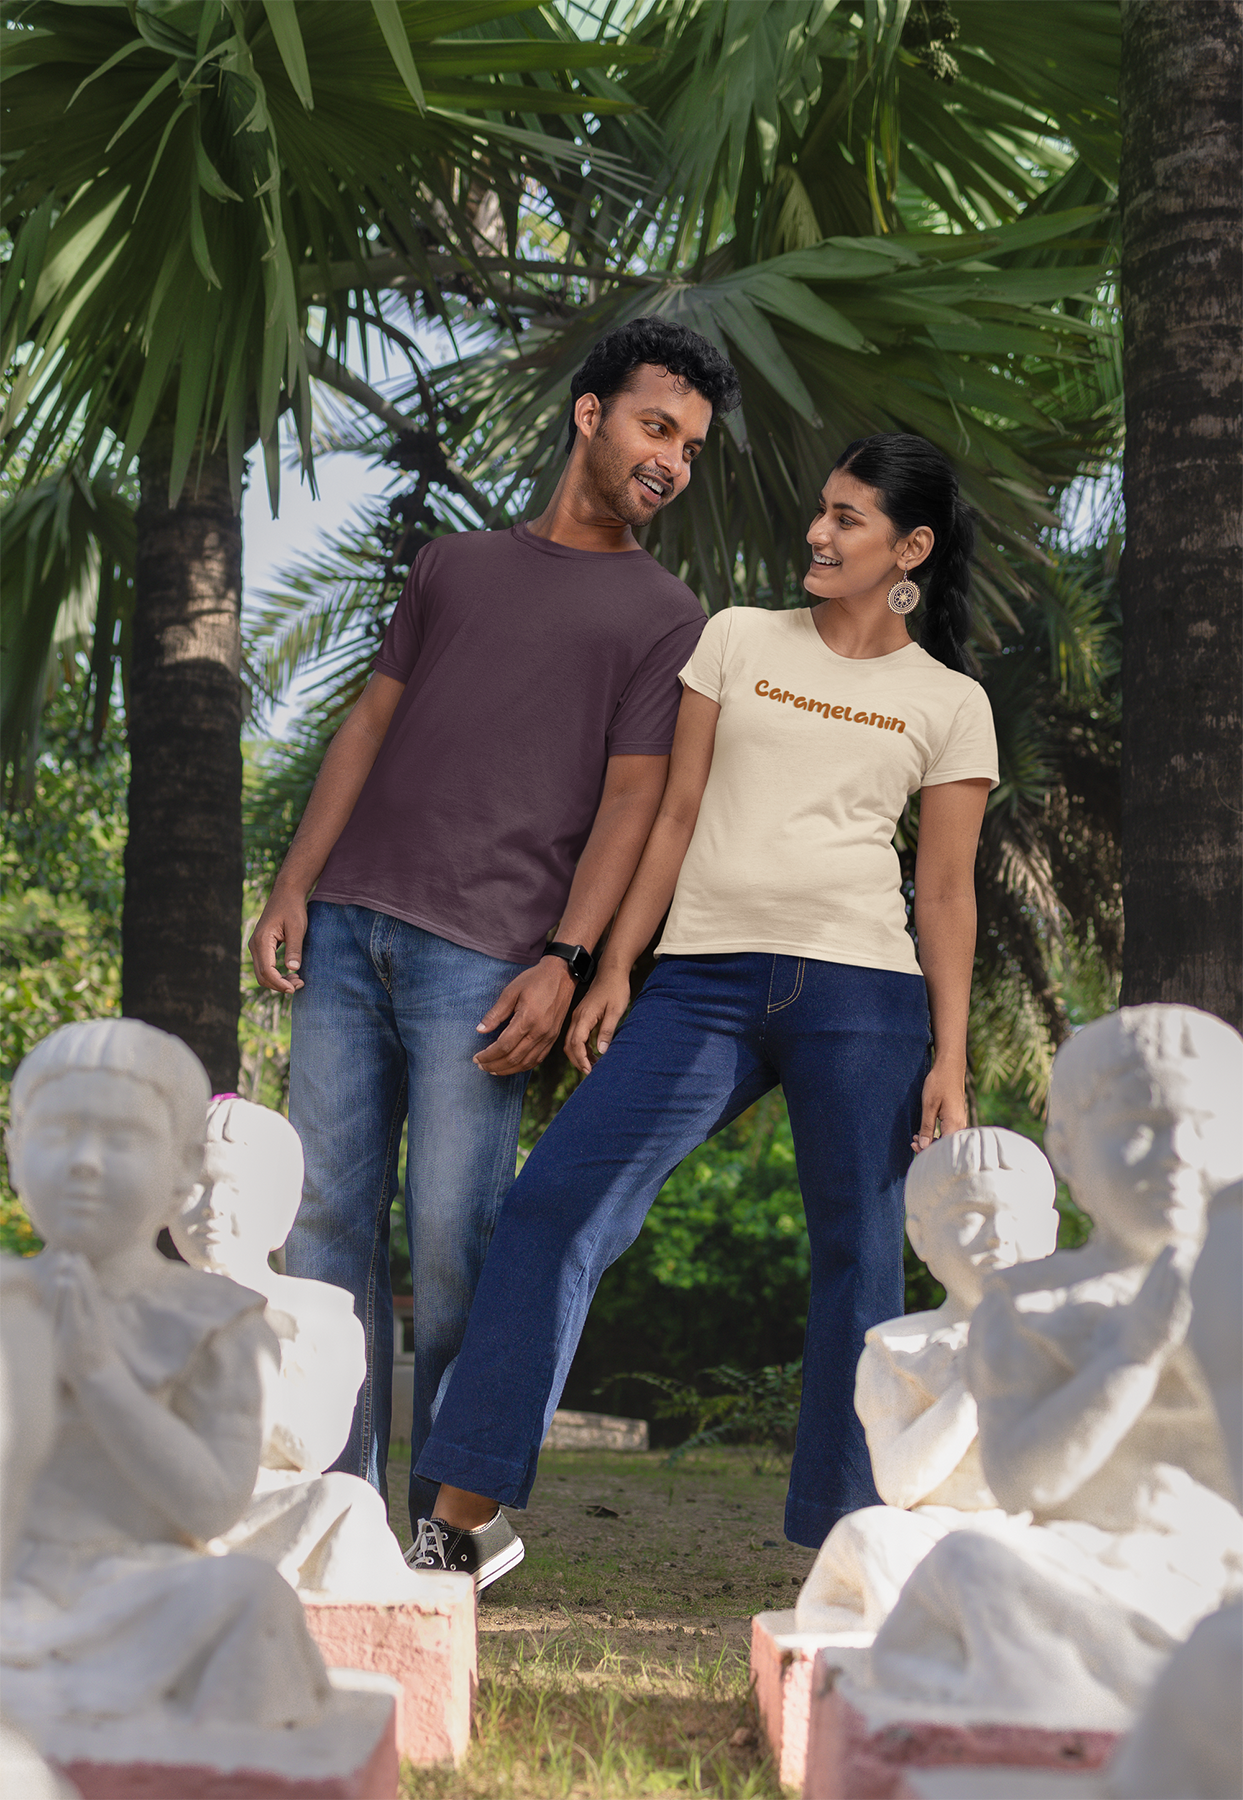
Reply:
x=707, y=1036
x=385, y=1028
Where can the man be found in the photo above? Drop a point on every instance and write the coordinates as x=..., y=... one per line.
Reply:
x=497, y=779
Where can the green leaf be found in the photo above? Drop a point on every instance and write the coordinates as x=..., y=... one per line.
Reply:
x=797, y=305
x=135, y=113
x=282, y=17
x=118, y=57
x=388, y=16
x=209, y=176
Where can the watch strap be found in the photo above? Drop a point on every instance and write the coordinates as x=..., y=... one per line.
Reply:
x=582, y=964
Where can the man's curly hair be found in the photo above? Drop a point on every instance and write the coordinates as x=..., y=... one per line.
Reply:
x=683, y=353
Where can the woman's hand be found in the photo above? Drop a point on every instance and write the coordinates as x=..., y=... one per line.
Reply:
x=601, y=1011
x=945, y=1100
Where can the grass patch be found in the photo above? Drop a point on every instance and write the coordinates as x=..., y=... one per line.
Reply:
x=575, y=1714
x=614, y=1661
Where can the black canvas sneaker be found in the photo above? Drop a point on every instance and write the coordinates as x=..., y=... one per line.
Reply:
x=487, y=1552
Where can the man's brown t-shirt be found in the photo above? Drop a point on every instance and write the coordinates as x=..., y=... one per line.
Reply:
x=526, y=666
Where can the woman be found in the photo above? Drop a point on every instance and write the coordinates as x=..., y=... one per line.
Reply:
x=786, y=959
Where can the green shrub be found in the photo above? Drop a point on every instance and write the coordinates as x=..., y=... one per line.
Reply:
x=759, y=1408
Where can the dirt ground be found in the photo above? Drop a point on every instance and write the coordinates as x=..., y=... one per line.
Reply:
x=614, y=1660
x=640, y=1547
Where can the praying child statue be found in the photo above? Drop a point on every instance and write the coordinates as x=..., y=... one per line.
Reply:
x=1096, y=1423
x=1188, y=1740
x=325, y=1533
x=27, y=1433
x=975, y=1202
x=113, y=1608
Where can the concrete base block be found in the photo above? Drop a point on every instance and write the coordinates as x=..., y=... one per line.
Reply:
x=594, y=1431
x=427, y=1646
x=864, y=1744
x=403, y=1394
x=351, y=1754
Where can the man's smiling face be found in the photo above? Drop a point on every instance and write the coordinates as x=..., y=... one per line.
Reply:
x=639, y=455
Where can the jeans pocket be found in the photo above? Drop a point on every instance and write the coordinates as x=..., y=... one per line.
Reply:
x=787, y=978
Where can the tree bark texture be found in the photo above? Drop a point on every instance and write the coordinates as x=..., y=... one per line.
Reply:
x=1182, y=309
x=182, y=921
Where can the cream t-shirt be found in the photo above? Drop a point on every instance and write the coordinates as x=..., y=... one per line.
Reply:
x=815, y=757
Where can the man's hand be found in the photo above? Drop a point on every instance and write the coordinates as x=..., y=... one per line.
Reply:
x=535, y=1003
x=945, y=1099
x=603, y=1006
x=282, y=921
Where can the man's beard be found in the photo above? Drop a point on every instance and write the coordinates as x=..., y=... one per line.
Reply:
x=610, y=477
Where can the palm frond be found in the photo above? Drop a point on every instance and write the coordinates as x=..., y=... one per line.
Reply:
x=927, y=333
x=66, y=592
x=164, y=221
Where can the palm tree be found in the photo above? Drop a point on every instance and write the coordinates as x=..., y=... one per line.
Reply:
x=1182, y=281
x=179, y=182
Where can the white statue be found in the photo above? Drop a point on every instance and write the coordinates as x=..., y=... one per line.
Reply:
x=1094, y=1415
x=27, y=1433
x=323, y=1533
x=112, y=1607
x=977, y=1201
x=1189, y=1740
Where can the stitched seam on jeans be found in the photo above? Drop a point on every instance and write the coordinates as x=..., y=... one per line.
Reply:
x=390, y=1161
x=382, y=962
x=790, y=998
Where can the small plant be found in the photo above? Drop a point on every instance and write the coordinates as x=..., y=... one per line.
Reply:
x=759, y=1407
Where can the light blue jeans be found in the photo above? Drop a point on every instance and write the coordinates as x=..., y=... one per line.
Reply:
x=384, y=1029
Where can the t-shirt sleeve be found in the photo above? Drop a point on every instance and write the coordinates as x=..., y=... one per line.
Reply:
x=969, y=752
x=404, y=638
x=648, y=710
x=705, y=672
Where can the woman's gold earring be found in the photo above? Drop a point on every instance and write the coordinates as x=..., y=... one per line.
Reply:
x=903, y=596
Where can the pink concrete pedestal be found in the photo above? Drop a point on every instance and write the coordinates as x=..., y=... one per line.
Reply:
x=427, y=1646
x=781, y=1669
x=865, y=1746
x=350, y=1754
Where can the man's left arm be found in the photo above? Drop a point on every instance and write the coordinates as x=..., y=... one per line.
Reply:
x=536, y=1002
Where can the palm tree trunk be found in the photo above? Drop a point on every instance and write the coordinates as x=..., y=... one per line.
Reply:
x=181, y=926
x=1182, y=279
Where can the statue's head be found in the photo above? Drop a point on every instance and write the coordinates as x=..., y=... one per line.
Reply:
x=979, y=1200
x=106, y=1138
x=248, y=1196
x=1143, y=1112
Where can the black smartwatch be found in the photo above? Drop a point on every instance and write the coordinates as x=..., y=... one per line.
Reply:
x=582, y=964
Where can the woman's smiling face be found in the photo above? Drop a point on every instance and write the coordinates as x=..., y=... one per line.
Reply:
x=853, y=548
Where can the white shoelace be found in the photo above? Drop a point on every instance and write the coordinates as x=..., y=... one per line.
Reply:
x=429, y=1546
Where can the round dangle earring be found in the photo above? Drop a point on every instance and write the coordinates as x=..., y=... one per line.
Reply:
x=903, y=596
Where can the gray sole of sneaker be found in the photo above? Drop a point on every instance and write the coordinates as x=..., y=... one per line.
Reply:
x=507, y=1559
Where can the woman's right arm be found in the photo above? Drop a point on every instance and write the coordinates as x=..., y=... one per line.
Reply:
x=648, y=896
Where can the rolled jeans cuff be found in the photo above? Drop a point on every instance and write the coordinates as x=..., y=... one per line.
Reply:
x=495, y=1477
